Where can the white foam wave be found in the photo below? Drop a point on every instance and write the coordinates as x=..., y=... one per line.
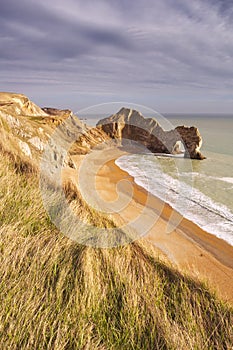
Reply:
x=224, y=179
x=227, y=179
x=213, y=217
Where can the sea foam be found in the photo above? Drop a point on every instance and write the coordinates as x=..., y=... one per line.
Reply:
x=215, y=218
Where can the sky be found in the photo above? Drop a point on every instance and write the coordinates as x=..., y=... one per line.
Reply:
x=169, y=55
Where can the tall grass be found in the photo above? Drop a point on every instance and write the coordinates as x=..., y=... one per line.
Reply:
x=56, y=294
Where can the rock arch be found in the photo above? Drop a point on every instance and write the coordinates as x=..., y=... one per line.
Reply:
x=130, y=124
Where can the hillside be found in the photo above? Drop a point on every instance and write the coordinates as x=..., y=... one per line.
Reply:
x=57, y=294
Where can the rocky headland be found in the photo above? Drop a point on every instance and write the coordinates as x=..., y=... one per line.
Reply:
x=130, y=124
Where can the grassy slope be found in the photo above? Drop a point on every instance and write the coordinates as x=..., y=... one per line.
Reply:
x=56, y=294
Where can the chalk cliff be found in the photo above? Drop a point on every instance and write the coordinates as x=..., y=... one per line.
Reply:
x=26, y=129
x=19, y=104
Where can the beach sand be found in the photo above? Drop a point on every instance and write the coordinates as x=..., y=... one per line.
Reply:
x=188, y=247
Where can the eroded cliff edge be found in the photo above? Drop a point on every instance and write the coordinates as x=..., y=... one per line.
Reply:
x=130, y=124
x=26, y=130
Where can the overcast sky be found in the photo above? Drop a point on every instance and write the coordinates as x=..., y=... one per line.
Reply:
x=171, y=55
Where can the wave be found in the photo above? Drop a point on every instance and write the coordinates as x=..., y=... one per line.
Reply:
x=227, y=179
x=218, y=178
x=213, y=217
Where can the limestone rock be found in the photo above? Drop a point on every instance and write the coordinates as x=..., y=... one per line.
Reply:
x=25, y=148
x=36, y=142
x=130, y=124
x=57, y=112
x=19, y=104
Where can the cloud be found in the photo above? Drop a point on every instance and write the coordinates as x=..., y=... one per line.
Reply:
x=125, y=48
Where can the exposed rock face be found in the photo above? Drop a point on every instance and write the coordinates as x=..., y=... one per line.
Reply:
x=36, y=142
x=25, y=148
x=192, y=140
x=130, y=124
x=57, y=112
x=26, y=131
x=19, y=104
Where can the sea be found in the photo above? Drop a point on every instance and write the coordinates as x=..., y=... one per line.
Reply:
x=201, y=191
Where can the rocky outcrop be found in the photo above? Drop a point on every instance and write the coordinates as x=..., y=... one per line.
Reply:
x=57, y=112
x=27, y=130
x=19, y=104
x=130, y=124
x=192, y=140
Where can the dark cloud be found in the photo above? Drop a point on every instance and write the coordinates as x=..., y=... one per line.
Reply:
x=29, y=29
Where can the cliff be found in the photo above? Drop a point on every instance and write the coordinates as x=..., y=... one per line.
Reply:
x=130, y=124
x=19, y=104
x=26, y=129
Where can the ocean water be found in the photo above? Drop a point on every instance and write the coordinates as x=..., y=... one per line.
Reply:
x=201, y=191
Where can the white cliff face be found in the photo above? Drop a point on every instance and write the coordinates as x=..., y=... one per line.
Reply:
x=27, y=130
x=25, y=148
x=19, y=104
x=36, y=142
x=20, y=133
x=12, y=122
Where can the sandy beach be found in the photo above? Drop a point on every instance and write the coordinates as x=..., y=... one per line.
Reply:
x=188, y=247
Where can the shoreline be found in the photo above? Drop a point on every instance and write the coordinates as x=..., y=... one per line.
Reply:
x=207, y=240
x=188, y=247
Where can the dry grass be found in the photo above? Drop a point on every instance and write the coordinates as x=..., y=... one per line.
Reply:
x=56, y=294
